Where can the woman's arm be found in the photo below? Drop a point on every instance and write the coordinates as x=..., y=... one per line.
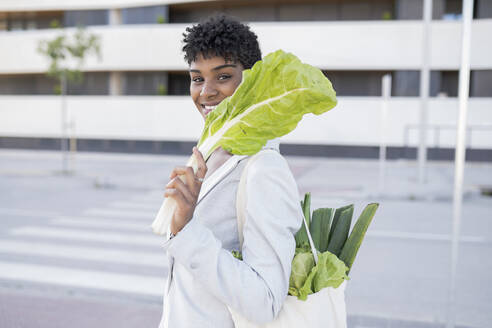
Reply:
x=257, y=286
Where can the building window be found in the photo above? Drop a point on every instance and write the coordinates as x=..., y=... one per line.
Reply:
x=94, y=83
x=405, y=84
x=444, y=84
x=481, y=83
x=179, y=83
x=145, y=15
x=145, y=83
x=85, y=18
x=3, y=22
x=356, y=83
x=26, y=84
x=294, y=10
x=18, y=21
x=483, y=9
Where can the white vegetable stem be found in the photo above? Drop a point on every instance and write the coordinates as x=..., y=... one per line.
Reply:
x=163, y=219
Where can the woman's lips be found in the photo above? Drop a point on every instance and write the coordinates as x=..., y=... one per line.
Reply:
x=207, y=109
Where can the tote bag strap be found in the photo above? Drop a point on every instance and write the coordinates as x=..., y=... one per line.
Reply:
x=241, y=200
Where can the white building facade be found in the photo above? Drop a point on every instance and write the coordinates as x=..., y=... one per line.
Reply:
x=136, y=96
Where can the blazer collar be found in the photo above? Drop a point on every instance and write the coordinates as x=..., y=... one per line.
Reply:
x=219, y=174
x=226, y=168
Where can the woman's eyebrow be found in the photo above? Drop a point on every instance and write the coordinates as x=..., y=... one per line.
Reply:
x=223, y=66
x=213, y=69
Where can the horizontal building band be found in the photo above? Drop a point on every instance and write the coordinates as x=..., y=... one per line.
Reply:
x=177, y=83
x=184, y=147
x=354, y=121
x=392, y=45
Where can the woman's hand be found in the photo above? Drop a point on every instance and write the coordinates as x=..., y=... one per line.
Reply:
x=185, y=194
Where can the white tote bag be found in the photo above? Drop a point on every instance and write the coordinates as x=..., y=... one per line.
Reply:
x=324, y=309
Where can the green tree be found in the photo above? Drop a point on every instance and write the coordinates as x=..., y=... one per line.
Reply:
x=66, y=54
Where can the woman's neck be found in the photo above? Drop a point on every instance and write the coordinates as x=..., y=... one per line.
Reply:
x=218, y=157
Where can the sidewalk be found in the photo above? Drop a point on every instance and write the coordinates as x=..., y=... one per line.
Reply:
x=400, y=277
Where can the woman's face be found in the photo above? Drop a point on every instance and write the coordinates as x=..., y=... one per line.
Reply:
x=213, y=80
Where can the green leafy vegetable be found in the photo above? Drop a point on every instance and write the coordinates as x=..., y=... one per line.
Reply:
x=302, y=264
x=237, y=254
x=329, y=272
x=301, y=236
x=336, y=253
x=341, y=231
x=354, y=241
x=338, y=212
x=320, y=227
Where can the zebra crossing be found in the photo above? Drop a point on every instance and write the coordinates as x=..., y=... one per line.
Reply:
x=42, y=246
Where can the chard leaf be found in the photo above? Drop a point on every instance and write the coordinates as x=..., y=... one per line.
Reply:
x=269, y=103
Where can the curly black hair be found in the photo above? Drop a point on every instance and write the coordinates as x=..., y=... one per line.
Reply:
x=223, y=36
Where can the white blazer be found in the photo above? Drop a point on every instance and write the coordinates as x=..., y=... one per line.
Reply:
x=204, y=278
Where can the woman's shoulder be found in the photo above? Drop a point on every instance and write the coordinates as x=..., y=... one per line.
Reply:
x=268, y=161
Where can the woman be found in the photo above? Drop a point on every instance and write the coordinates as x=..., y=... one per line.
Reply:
x=205, y=279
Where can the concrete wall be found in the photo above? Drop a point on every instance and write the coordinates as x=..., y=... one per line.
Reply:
x=382, y=45
x=355, y=121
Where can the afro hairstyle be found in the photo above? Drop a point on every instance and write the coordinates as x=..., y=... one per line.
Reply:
x=223, y=36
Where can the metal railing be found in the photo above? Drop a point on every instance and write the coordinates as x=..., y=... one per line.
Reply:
x=437, y=128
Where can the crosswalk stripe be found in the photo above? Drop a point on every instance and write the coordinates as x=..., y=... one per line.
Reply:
x=83, y=253
x=424, y=236
x=120, y=213
x=128, y=283
x=135, y=205
x=30, y=213
x=88, y=222
x=100, y=236
x=149, y=198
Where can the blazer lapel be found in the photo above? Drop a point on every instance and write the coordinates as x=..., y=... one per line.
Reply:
x=218, y=175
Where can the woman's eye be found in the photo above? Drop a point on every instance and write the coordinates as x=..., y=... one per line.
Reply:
x=197, y=79
x=224, y=77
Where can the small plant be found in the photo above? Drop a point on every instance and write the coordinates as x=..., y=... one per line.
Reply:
x=161, y=90
x=161, y=19
x=57, y=89
x=62, y=50
x=387, y=15
x=55, y=23
x=66, y=56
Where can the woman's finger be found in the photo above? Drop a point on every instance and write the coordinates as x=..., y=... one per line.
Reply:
x=184, y=209
x=202, y=166
x=176, y=183
x=186, y=174
x=178, y=197
x=189, y=175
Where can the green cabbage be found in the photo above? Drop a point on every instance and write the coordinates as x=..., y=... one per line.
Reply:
x=302, y=264
x=329, y=272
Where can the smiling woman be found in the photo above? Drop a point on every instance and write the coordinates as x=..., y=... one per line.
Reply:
x=205, y=280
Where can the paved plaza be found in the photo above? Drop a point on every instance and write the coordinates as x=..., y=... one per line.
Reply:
x=77, y=250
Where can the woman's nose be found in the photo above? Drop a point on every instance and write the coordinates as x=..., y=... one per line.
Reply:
x=208, y=90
